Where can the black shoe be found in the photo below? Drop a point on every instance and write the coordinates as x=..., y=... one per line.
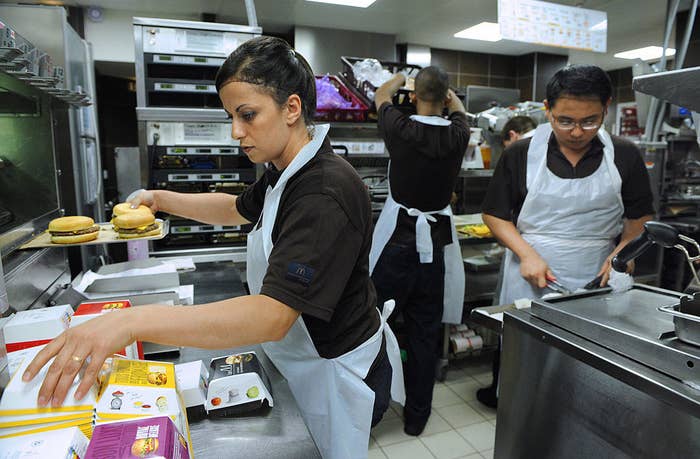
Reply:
x=414, y=424
x=414, y=428
x=488, y=396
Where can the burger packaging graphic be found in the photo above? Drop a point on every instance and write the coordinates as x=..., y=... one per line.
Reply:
x=237, y=384
x=152, y=437
x=140, y=388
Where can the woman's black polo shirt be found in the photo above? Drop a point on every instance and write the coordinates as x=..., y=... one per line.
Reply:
x=324, y=231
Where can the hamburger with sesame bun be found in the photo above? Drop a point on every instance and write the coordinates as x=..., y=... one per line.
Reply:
x=136, y=224
x=74, y=229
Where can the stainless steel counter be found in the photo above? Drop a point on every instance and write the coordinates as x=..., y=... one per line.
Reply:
x=277, y=432
x=580, y=380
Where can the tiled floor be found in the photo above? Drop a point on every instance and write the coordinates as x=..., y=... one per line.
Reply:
x=459, y=426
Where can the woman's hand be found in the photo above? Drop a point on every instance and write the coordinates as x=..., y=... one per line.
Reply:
x=535, y=270
x=143, y=197
x=90, y=343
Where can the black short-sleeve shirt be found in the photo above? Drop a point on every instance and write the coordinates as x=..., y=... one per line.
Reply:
x=508, y=187
x=319, y=264
x=425, y=162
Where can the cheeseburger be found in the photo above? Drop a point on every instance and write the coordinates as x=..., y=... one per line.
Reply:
x=136, y=224
x=125, y=208
x=143, y=447
x=70, y=230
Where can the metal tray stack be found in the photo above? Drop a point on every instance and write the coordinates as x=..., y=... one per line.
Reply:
x=24, y=61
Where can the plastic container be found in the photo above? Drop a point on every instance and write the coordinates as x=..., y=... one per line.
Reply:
x=357, y=113
x=365, y=88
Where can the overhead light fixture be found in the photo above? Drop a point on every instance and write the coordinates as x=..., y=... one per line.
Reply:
x=486, y=31
x=648, y=53
x=356, y=3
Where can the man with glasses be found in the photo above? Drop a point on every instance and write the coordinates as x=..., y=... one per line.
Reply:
x=566, y=200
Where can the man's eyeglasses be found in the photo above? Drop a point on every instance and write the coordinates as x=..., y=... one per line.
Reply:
x=566, y=124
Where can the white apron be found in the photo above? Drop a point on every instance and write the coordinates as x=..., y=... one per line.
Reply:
x=453, y=299
x=333, y=399
x=571, y=223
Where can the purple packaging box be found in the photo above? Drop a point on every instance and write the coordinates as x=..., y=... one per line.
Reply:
x=155, y=437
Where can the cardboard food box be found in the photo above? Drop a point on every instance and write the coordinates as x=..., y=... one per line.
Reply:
x=192, y=383
x=63, y=443
x=34, y=327
x=140, y=388
x=237, y=384
x=155, y=437
x=87, y=311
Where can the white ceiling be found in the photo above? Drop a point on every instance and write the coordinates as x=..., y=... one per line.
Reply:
x=631, y=23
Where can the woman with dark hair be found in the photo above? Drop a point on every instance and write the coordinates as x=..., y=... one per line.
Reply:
x=312, y=304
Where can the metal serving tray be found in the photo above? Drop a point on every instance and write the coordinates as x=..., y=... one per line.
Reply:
x=628, y=323
x=687, y=325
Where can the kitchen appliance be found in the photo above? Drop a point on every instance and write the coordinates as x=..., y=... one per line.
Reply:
x=62, y=65
x=185, y=142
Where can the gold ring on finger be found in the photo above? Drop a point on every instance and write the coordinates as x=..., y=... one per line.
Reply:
x=76, y=358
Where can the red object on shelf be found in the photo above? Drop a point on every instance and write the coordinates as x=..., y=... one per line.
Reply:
x=357, y=113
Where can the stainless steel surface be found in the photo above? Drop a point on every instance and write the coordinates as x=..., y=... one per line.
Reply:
x=628, y=323
x=180, y=114
x=4, y=302
x=563, y=396
x=35, y=276
x=233, y=254
x=143, y=21
x=687, y=326
x=676, y=86
x=128, y=169
x=279, y=432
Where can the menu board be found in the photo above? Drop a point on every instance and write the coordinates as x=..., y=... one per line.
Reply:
x=546, y=23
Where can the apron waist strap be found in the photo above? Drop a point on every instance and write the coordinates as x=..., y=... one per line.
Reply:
x=424, y=238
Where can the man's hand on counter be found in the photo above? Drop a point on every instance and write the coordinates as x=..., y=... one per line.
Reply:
x=92, y=343
x=535, y=270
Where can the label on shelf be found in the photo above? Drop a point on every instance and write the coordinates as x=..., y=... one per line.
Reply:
x=185, y=87
x=176, y=134
x=202, y=151
x=187, y=229
x=204, y=177
x=166, y=40
x=188, y=60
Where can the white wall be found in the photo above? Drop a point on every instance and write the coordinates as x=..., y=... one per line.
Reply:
x=322, y=48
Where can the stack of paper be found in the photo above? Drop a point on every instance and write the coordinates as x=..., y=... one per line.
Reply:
x=20, y=414
x=62, y=444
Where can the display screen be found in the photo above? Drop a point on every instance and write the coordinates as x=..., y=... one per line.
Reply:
x=201, y=87
x=546, y=23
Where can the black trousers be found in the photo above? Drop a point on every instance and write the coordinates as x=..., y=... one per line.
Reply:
x=418, y=289
x=379, y=380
